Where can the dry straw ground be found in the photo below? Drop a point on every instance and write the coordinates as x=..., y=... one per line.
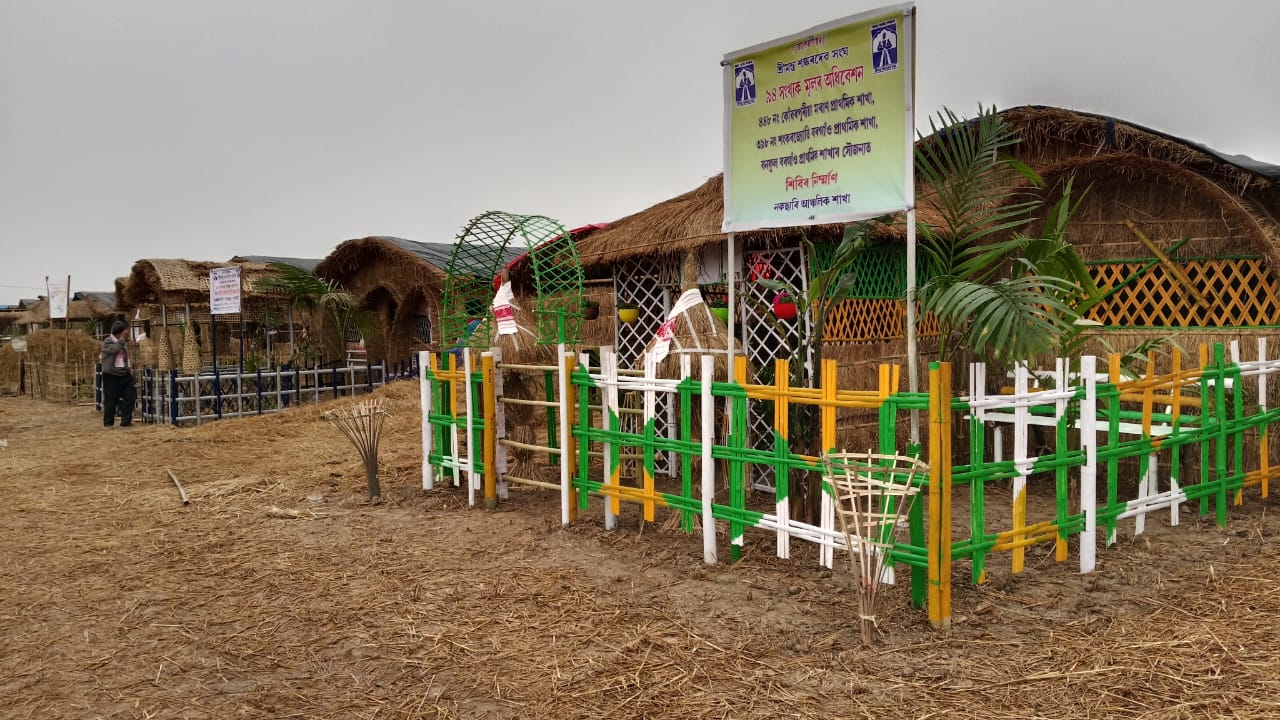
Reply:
x=116, y=601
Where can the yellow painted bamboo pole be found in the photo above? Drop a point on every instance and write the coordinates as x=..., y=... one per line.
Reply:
x=570, y=455
x=828, y=412
x=939, y=575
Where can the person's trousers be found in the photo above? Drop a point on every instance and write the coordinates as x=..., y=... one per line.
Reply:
x=118, y=393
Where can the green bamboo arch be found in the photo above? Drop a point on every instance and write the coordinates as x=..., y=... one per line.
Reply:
x=484, y=247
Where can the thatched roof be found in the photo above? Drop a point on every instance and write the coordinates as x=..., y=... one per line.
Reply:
x=307, y=264
x=1054, y=141
x=353, y=255
x=685, y=222
x=174, y=282
x=102, y=297
x=83, y=306
x=1043, y=127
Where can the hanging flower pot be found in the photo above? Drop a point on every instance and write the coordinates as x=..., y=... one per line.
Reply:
x=628, y=312
x=590, y=310
x=784, y=308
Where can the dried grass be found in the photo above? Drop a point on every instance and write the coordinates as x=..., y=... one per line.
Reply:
x=279, y=593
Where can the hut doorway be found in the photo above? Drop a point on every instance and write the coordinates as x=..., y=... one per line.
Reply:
x=379, y=340
x=412, y=323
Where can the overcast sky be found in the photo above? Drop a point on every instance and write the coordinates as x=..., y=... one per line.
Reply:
x=172, y=128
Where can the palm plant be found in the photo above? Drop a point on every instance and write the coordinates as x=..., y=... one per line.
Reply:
x=317, y=296
x=1006, y=295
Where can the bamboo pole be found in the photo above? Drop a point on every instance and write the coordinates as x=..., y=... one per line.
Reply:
x=182, y=493
x=1170, y=265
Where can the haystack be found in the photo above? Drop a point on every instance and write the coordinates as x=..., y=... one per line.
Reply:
x=60, y=365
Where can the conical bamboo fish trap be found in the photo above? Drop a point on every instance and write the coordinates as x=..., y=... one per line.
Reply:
x=164, y=352
x=190, y=353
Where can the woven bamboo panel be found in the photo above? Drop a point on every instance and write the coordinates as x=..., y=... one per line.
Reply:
x=1240, y=293
x=864, y=319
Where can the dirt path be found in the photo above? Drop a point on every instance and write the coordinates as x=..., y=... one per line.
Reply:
x=118, y=602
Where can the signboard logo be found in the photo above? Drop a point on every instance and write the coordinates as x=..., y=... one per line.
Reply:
x=884, y=46
x=744, y=83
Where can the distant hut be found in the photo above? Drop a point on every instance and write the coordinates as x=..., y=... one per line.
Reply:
x=9, y=315
x=88, y=312
x=170, y=299
x=400, y=283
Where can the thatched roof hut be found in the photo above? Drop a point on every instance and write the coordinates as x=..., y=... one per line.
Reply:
x=400, y=281
x=9, y=315
x=173, y=282
x=1211, y=214
x=1225, y=205
x=174, y=293
x=87, y=311
x=1214, y=215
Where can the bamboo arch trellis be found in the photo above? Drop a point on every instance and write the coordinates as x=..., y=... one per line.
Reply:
x=481, y=253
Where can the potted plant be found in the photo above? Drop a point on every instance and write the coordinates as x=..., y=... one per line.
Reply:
x=590, y=309
x=784, y=306
x=628, y=312
x=720, y=308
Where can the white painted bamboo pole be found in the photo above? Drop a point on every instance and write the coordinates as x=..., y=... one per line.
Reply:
x=424, y=396
x=468, y=468
x=708, y=464
x=609, y=399
x=565, y=489
x=500, y=429
x=1021, y=463
x=1089, y=471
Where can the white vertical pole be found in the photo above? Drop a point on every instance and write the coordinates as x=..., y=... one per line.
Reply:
x=673, y=399
x=565, y=490
x=1089, y=471
x=731, y=272
x=500, y=426
x=609, y=396
x=1021, y=463
x=650, y=407
x=909, y=102
x=708, y=464
x=468, y=467
x=424, y=396
x=827, y=546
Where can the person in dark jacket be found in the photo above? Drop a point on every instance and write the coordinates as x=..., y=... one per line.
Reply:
x=118, y=391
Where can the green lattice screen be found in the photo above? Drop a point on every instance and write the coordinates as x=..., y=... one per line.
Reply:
x=881, y=270
x=483, y=249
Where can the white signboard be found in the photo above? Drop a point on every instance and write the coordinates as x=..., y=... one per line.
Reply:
x=224, y=290
x=57, y=299
x=19, y=344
